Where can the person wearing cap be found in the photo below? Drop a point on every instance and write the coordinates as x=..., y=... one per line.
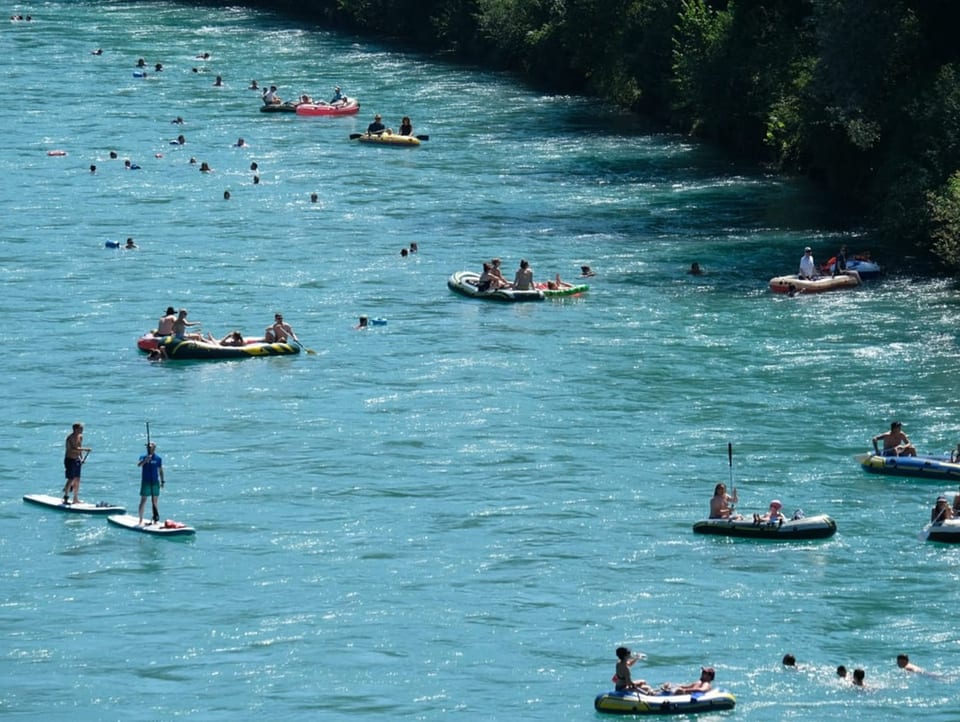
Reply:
x=895, y=442
x=704, y=684
x=165, y=324
x=808, y=269
x=377, y=126
x=338, y=97
x=775, y=512
x=941, y=511
x=151, y=479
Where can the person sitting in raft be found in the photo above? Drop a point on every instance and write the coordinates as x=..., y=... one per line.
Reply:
x=165, y=324
x=270, y=96
x=498, y=274
x=808, y=269
x=406, y=127
x=180, y=325
x=523, y=280
x=376, y=127
x=774, y=514
x=338, y=97
x=895, y=442
x=487, y=281
x=305, y=100
x=840, y=265
x=721, y=504
x=941, y=511
x=621, y=677
x=279, y=332
x=704, y=684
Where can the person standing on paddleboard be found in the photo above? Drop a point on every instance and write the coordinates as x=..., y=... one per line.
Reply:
x=151, y=479
x=73, y=458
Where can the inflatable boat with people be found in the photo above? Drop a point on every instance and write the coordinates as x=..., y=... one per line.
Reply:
x=171, y=347
x=793, y=284
x=798, y=528
x=466, y=283
x=635, y=702
x=921, y=467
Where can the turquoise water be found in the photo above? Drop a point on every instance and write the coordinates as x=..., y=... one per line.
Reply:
x=465, y=511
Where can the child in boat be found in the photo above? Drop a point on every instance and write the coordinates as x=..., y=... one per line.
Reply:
x=774, y=514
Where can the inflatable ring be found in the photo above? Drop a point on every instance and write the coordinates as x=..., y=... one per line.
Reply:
x=378, y=322
x=56, y=152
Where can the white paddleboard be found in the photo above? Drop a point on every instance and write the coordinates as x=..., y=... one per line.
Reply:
x=163, y=528
x=56, y=502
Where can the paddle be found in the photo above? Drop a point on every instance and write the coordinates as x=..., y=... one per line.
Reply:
x=354, y=136
x=308, y=350
x=733, y=489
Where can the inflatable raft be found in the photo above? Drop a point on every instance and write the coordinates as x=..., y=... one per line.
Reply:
x=632, y=702
x=203, y=350
x=795, y=284
x=345, y=107
x=923, y=467
x=946, y=532
x=392, y=139
x=285, y=107
x=551, y=290
x=465, y=283
x=808, y=527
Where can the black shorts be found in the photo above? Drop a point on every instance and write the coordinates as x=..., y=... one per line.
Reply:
x=71, y=468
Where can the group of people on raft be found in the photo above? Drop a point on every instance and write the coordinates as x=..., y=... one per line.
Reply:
x=175, y=323
x=492, y=279
x=624, y=682
x=270, y=97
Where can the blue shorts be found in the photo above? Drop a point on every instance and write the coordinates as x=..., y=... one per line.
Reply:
x=149, y=488
x=71, y=468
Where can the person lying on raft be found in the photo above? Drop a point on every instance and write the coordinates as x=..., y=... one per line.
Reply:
x=704, y=684
x=555, y=285
x=234, y=338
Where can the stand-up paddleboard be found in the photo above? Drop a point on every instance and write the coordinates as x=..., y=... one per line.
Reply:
x=84, y=507
x=163, y=528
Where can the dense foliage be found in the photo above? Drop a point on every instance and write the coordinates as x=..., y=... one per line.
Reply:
x=862, y=95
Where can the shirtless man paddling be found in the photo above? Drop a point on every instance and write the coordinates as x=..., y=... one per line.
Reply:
x=73, y=458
